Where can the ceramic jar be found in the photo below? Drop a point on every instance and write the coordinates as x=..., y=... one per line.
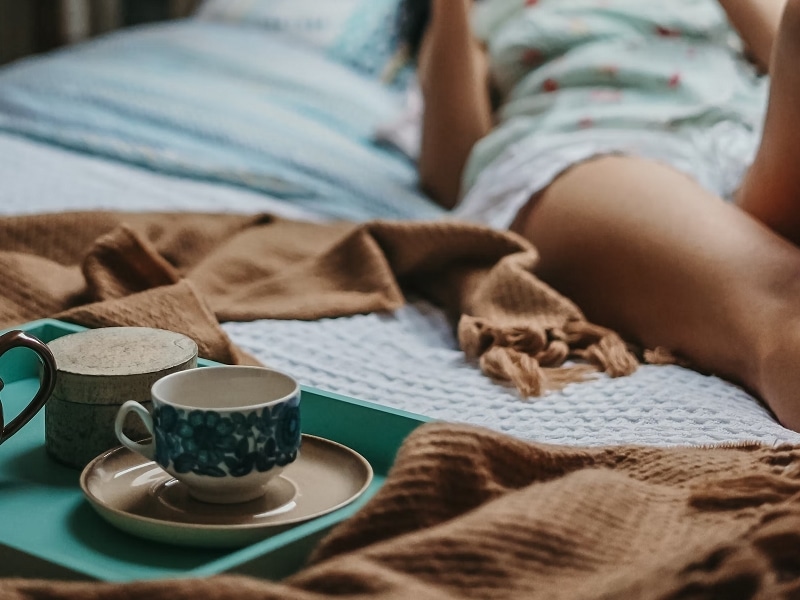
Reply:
x=97, y=371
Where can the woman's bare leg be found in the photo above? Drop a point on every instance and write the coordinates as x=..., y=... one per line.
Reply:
x=771, y=191
x=645, y=250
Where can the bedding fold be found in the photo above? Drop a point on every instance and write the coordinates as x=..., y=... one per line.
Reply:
x=189, y=271
x=225, y=104
x=470, y=513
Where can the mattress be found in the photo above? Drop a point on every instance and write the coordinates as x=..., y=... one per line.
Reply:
x=198, y=116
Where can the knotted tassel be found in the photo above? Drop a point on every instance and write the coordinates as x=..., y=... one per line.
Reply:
x=533, y=359
x=600, y=347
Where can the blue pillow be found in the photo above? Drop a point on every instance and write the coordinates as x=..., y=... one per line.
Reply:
x=318, y=23
x=359, y=33
x=368, y=41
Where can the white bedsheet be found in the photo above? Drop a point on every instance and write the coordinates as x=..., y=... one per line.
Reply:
x=407, y=359
x=35, y=178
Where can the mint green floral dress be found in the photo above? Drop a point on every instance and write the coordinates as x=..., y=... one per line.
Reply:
x=660, y=79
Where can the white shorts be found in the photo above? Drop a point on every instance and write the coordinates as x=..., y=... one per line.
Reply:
x=716, y=157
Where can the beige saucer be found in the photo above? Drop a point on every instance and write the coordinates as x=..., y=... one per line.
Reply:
x=137, y=496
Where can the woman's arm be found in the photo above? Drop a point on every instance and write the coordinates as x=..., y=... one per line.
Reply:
x=757, y=23
x=453, y=77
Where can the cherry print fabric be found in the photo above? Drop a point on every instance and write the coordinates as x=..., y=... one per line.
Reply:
x=567, y=66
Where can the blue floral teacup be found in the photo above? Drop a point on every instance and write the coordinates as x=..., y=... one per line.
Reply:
x=224, y=432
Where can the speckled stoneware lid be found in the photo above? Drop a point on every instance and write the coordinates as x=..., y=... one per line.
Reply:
x=96, y=365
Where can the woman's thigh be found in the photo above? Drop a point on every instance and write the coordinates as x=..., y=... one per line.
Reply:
x=645, y=250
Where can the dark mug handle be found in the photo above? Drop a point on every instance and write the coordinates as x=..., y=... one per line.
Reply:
x=16, y=339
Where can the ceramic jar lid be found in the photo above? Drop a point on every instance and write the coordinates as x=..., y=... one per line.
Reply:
x=94, y=366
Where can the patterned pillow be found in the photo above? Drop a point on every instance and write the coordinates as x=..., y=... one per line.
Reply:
x=359, y=33
x=318, y=22
x=368, y=41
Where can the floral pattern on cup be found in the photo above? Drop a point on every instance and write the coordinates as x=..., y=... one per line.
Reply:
x=206, y=443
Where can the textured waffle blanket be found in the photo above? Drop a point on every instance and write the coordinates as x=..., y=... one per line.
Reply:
x=468, y=513
x=188, y=272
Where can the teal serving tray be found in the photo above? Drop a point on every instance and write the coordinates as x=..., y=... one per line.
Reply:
x=49, y=530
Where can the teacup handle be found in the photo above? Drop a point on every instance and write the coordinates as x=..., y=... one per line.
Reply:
x=15, y=339
x=131, y=406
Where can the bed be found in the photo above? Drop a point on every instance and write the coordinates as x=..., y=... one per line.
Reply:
x=664, y=483
x=233, y=110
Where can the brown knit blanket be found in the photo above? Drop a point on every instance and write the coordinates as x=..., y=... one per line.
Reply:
x=188, y=272
x=464, y=513
x=467, y=513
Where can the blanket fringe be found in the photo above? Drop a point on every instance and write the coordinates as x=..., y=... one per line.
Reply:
x=533, y=358
x=600, y=347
